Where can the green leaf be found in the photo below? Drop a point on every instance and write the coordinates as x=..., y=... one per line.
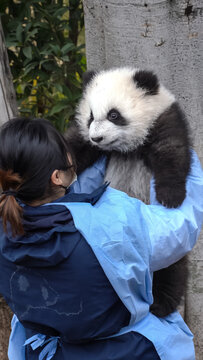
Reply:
x=58, y=107
x=28, y=26
x=30, y=34
x=27, y=51
x=30, y=67
x=19, y=32
x=55, y=48
x=49, y=65
x=59, y=88
x=41, y=24
x=67, y=92
x=65, y=58
x=26, y=62
x=68, y=47
x=46, y=51
x=11, y=43
x=20, y=89
x=60, y=12
x=24, y=110
x=36, y=1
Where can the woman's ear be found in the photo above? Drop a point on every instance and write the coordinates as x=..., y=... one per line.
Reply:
x=56, y=178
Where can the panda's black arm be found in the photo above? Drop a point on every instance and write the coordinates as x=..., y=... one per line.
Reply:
x=85, y=154
x=167, y=153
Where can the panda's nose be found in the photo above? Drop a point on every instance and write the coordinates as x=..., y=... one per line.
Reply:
x=97, y=139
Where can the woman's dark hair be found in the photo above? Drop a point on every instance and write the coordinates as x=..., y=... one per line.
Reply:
x=30, y=150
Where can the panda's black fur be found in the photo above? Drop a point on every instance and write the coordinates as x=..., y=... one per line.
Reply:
x=128, y=115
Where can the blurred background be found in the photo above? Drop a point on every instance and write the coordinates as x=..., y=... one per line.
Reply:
x=45, y=45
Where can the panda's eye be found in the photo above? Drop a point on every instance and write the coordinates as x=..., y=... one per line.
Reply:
x=113, y=115
x=90, y=119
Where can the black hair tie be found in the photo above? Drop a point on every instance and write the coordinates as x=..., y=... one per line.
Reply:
x=9, y=193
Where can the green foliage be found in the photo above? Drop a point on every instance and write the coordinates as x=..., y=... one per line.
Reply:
x=46, y=58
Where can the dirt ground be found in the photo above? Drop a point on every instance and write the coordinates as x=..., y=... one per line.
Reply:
x=5, y=319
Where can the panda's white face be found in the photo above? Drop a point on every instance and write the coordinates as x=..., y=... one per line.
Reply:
x=115, y=113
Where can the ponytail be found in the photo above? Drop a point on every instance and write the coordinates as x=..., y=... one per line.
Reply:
x=10, y=210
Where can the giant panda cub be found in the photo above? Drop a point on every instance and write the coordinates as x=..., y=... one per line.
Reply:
x=128, y=115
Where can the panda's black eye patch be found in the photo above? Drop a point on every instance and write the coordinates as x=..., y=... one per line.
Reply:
x=115, y=117
x=90, y=119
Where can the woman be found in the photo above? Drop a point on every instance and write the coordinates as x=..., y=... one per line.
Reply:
x=77, y=268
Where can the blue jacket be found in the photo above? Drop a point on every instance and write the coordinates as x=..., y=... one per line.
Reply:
x=53, y=280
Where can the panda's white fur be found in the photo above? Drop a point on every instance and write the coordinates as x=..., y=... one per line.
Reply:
x=129, y=176
x=116, y=88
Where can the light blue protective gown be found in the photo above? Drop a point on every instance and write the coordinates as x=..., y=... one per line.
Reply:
x=128, y=263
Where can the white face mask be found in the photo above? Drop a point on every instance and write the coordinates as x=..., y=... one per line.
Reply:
x=67, y=187
x=74, y=179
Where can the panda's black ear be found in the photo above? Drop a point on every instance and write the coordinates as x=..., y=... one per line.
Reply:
x=87, y=77
x=148, y=81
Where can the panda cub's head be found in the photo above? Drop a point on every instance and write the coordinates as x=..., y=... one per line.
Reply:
x=119, y=107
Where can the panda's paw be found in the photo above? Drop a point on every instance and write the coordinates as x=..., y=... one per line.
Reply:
x=170, y=196
x=158, y=310
x=161, y=310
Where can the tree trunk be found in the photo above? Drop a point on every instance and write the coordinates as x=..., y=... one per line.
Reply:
x=8, y=109
x=8, y=104
x=162, y=35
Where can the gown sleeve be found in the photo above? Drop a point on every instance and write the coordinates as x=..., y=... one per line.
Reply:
x=174, y=232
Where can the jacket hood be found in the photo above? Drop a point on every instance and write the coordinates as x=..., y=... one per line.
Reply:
x=44, y=242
